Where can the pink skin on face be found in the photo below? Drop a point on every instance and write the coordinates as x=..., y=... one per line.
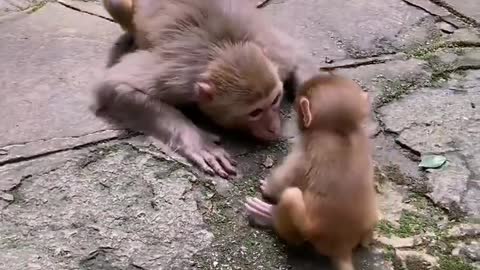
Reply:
x=265, y=123
x=268, y=127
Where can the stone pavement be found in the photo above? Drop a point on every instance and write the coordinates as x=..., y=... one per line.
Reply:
x=77, y=194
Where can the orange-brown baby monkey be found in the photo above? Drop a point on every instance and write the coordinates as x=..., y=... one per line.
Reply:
x=324, y=189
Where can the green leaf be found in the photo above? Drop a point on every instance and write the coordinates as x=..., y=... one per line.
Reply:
x=432, y=161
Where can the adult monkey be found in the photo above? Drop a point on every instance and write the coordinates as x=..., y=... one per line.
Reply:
x=218, y=54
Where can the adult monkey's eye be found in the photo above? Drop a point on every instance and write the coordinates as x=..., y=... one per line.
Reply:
x=277, y=98
x=255, y=113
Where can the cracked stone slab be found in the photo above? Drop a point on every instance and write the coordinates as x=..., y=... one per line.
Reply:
x=114, y=208
x=413, y=257
x=11, y=175
x=470, y=251
x=465, y=230
x=49, y=66
x=355, y=28
x=437, y=10
x=11, y=6
x=91, y=7
x=468, y=8
x=465, y=36
x=444, y=121
x=391, y=202
x=373, y=77
x=462, y=59
x=430, y=7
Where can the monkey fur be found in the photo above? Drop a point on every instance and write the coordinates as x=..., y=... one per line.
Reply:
x=324, y=190
x=219, y=55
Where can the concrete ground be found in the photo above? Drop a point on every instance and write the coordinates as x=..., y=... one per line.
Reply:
x=77, y=194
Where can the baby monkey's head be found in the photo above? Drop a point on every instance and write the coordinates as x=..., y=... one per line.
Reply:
x=331, y=102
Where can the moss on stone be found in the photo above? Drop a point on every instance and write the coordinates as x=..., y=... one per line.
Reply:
x=412, y=223
x=416, y=263
x=386, y=228
x=36, y=7
x=393, y=90
x=451, y=263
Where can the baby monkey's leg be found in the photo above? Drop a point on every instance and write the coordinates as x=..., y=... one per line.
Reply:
x=290, y=218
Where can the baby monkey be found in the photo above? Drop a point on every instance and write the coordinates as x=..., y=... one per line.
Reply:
x=324, y=189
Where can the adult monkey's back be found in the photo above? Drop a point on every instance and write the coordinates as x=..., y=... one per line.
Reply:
x=217, y=54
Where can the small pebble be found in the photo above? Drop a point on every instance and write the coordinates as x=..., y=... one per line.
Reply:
x=328, y=60
x=268, y=163
x=7, y=197
x=209, y=195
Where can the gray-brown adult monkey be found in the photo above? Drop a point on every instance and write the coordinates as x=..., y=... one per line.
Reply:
x=220, y=55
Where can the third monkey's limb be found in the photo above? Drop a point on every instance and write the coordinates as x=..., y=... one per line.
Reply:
x=290, y=217
x=123, y=98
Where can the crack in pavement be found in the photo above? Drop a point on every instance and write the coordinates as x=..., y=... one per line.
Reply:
x=461, y=68
x=431, y=13
x=358, y=62
x=48, y=153
x=452, y=10
x=2, y=147
x=84, y=11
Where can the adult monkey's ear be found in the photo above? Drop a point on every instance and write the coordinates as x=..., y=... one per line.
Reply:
x=204, y=89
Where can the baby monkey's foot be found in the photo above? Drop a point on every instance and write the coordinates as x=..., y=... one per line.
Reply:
x=259, y=212
x=266, y=190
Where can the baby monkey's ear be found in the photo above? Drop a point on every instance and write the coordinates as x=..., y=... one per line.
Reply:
x=306, y=113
